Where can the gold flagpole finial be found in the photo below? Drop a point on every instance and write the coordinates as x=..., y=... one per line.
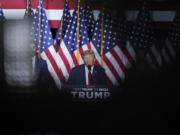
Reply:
x=39, y=41
x=77, y=54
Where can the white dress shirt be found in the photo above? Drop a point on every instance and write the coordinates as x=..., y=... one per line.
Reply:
x=87, y=72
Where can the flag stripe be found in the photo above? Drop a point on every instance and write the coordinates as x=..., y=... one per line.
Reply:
x=73, y=56
x=64, y=60
x=165, y=56
x=61, y=66
x=121, y=53
x=118, y=59
x=108, y=80
x=55, y=66
x=130, y=52
x=129, y=57
x=115, y=65
x=149, y=59
x=157, y=55
x=69, y=57
x=89, y=46
x=171, y=49
x=111, y=67
x=153, y=58
x=51, y=70
x=168, y=53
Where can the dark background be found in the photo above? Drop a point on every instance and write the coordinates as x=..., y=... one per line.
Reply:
x=147, y=105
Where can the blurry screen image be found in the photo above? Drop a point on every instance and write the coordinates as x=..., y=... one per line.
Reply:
x=17, y=53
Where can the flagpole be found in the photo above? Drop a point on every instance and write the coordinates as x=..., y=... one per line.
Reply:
x=39, y=42
x=102, y=22
x=27, y=7
x=61, y=31
x=77, y=54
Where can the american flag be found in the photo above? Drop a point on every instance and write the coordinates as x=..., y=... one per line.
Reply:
x=29, y=10
x=1, y=13
x=130, y=53
x=44, y=41
x=89, y=20
x=168, y=52
x=142, y=36
x=107, y=51
x=174, y=33
x=173, y=39
x=69, y=53
x=63, y=24
x=123, y=30
x=154, y=57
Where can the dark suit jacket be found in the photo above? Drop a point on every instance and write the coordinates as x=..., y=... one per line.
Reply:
x=77, y=76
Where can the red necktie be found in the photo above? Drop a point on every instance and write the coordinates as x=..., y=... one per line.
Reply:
x=89, y=78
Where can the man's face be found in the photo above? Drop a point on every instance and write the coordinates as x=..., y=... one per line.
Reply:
x=89, y=59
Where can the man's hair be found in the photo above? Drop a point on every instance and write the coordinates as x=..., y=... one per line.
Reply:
x=91, y=52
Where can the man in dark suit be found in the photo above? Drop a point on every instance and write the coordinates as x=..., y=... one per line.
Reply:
x=87, y=73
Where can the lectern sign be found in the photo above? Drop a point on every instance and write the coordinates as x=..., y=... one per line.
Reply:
x=88, y=92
